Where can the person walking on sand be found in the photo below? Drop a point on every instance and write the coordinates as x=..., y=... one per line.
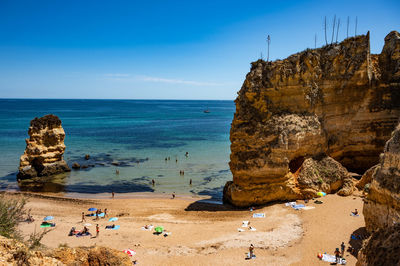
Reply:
x=97, y=230
x=342, y=247
x=105, y=212
x=173, y=195
x=83, y=217
x=337, y=255
x=251, y=251
x=112, y=195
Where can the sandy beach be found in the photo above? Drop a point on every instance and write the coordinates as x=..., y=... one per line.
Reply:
x=203, y=233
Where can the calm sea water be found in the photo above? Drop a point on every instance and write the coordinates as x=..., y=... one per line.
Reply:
x=136, y=134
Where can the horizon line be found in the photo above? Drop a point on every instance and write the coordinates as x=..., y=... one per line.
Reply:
x=117, y=99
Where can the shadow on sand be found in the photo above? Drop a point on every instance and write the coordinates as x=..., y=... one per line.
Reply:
x=356, y=240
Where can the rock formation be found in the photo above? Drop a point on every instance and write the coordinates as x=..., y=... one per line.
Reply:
x=382, y=209
x=382, y=205
x=338, y=101
x=382, y=248
x=44, y=149
x=13, y=252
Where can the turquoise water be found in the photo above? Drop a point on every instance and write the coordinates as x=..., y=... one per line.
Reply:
x=136, y=134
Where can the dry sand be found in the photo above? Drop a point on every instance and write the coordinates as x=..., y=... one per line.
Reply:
x=203, y=233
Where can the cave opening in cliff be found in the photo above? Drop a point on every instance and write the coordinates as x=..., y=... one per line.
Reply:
x=295, y=164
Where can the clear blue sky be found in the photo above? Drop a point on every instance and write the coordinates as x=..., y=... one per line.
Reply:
x=162, y=49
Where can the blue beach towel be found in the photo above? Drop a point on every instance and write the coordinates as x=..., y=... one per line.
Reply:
x=258, y=215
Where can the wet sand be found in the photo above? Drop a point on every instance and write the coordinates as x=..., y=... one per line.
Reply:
x=203, y=233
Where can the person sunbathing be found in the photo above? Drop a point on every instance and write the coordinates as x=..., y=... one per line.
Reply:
x=355, y=213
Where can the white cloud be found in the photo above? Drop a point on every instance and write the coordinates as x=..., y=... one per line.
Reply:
x=117, y=75
x=177, y=81
x=130, y=78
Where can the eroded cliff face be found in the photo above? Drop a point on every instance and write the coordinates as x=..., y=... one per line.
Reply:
x=338, y=101
x=13, y=252
x=382, y=205
x=382, y=209
x=44, y=151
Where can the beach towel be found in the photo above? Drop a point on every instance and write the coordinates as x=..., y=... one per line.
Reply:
x=355, y=215
x=252, y=229
x=101, y=214
x=240, y=230
x=248, y=256
x=87, y=234
x=258, y=215
x=287, y=204
x=147, y=229
x=245, y=223
x=298, y=206
x=113, y=228
x=308, y=208
x=332, y=259
x=47, y=225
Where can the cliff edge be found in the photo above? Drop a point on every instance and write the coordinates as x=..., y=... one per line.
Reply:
x=44, y=151
x=301, y=122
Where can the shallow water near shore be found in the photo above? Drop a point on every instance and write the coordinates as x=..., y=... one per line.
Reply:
x=131, y=136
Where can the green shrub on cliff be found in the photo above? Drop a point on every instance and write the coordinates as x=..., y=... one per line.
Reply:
x=11, y=214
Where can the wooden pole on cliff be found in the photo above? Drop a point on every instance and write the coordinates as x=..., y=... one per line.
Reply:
x=315, y=41
x=268, y=41
x=333, y=28
x=326, y=40
x=337, y=30
x=348, y=23
x=355, y=29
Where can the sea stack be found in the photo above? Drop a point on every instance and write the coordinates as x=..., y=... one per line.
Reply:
x=44, y=151
x=300, y=120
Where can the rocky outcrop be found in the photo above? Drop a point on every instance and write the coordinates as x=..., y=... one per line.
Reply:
x=338, y=100
x=44, y=149
x=13, y=252
x=91, y=256
x=366, y=178
x=382, y=205
x=382, y=248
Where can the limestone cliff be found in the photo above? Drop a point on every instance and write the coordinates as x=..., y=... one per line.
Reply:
x=382, y=205
x=338, y=101
x=382, y=209
x=13, y=252
x=44, y=149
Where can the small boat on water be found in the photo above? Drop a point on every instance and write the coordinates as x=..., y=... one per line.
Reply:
x=206, y=111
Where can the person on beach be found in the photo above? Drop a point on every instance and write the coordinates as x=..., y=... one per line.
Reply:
x=355, y=213
x=105, y=212
x=337, y=255
x=251, y=251
x=83, y=217
x=97, y=214
x=112, y=195
x=97, y=230
x=190, y=182
x=186, y=154
x=173, y=195
x=153, y=182
x=117, y=172
x=85, y=230
x=342, y=247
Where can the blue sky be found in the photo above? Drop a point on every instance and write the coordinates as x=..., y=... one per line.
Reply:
x=162, y=49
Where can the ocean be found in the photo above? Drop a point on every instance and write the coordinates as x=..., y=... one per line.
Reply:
x=137, y=135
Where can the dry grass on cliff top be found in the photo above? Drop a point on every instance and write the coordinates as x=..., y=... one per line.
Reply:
x=205, y=234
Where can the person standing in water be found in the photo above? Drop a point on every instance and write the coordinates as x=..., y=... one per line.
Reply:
x=190, y=182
